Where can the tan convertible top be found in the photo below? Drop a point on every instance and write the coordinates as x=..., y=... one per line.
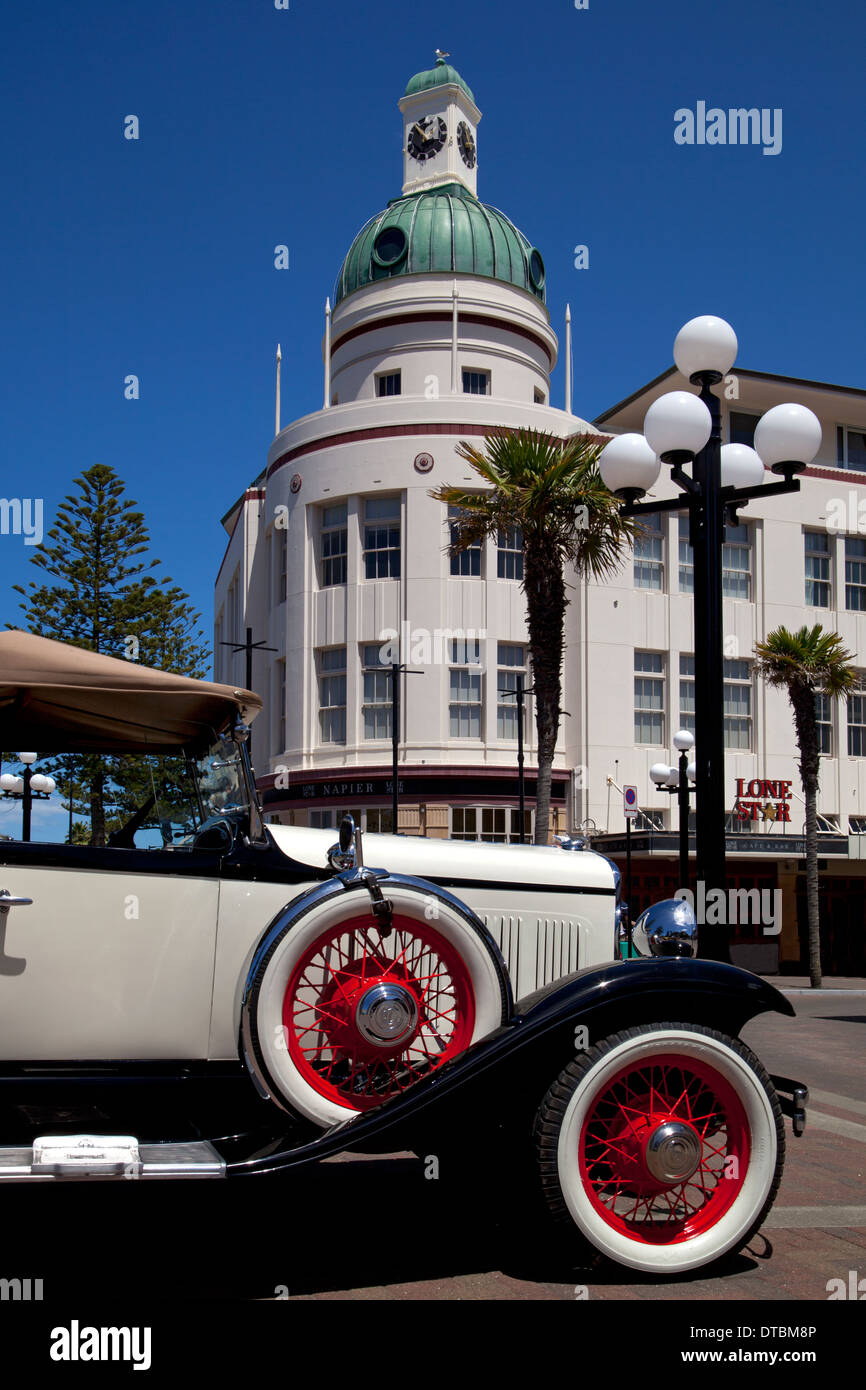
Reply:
x=56, y=698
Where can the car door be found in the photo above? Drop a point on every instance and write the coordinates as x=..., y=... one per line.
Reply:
x=114, y=958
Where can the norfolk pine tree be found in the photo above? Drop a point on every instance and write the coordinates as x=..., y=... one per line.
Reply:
x=97, y=591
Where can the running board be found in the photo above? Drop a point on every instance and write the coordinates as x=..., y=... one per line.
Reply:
x=107, y=1156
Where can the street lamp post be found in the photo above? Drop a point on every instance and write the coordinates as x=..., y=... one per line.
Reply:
x=519, y=694
x=683, y=429
x=29, y=787
x=397, y=669
x=675, y=781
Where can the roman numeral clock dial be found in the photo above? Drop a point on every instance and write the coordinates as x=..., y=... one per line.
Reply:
x=426, y=137
x=466, y=145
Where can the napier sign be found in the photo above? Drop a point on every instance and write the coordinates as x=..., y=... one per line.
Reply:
x=762, y=800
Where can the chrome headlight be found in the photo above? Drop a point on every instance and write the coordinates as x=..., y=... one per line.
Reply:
x=668, y=928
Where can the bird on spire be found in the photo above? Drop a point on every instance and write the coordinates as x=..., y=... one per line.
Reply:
x=442, y=56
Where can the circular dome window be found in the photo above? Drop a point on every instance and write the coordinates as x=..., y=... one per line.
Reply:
x=389, y=247
x=536, y=269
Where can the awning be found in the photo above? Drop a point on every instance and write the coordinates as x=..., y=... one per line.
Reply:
x=58, y=698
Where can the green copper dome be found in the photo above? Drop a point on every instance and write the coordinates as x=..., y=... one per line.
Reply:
x=440, y=76
x=443, y=229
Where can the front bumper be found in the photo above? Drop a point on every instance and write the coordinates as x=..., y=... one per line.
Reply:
x=793, y=1099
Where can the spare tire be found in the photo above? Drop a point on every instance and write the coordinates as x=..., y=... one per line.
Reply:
x=345, y=1008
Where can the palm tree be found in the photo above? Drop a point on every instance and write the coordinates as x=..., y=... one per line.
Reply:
x=807, y=663
x=551, y=491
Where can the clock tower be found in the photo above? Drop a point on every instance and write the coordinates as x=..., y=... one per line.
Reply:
x=440, y=124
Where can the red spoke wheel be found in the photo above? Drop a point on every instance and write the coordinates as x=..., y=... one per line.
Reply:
x=366, y=1014
x=344, y=1011
x=663, y=1144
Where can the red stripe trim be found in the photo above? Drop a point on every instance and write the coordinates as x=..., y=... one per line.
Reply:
x=383, y=432
x=437, y=316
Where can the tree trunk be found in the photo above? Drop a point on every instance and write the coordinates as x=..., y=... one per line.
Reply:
x=812, y=902
x=807, y=738
x=544, y=587
x=97, y=808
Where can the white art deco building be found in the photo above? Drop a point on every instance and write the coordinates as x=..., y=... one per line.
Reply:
x=439, y=333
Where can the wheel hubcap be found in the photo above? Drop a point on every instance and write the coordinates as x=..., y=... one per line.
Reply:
x=664, y=1148
x=386, y=1014
x=673, y=1152
x=365, y=1015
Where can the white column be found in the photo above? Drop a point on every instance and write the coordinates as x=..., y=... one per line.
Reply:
x=568, y=359
x=277, y=415
x=455, y=293
x=327, y=354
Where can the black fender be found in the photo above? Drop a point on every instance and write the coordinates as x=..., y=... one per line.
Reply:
x=493, y=1089
x=624, y=993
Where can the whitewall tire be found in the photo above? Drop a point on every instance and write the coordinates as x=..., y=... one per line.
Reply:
x=342, y=1012
x=664, y=1145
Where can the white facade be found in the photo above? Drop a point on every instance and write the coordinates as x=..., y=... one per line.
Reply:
x=772, y=578
x=302, y=571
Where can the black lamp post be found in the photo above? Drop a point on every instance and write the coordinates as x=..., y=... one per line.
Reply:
x=683, y=429
x=29, y=787
x=397, y=669
x=519, y=694
x=676, y=782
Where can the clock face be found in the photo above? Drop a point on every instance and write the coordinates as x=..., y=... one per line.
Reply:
x=467, y=144
x=426, y=137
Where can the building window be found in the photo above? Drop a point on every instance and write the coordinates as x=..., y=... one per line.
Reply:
x=476, y=383
x=857, y=825
x=388, y=384
x=687, y=558
x=817, y=548
x=282, y=563
x=742, y=428
x=850, y=448
x=280, y=694
x=232, y=619
x=466, y=562
x=376, y=819
x=511, y=663
x=857, y=720
x=538, y=397
x=855, y=574
x=500, y=824
x=649, y=698
x=464, y=823
x=328, y=818
x=332, y=695
x=687, y=692
x=737, y=563
x=377, y=692
x=217, y=648
x=824, y=716
x=648, y=554
x=509, y=553
x=382, y=538
x=465, y=688
x=737, y=704
x=335, y=544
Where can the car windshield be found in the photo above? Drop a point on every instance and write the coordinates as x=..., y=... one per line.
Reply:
x=220, y=780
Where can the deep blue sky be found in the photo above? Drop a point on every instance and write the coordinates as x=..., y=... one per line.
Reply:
x=261, y=126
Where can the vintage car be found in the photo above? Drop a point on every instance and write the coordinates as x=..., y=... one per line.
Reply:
x=247, y=997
